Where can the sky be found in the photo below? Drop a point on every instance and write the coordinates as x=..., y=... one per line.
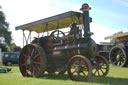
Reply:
x=109, y=16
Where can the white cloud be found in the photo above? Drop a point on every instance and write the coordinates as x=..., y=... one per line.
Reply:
x=121, y=2
x=19, y=12
x=101, y=31
x=25, y=11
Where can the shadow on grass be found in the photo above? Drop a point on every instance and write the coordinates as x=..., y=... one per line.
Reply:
x=100, y=80
x=109, y=80
x=55, y=77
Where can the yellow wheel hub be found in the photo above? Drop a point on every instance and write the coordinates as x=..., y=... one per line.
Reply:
x=118, y=57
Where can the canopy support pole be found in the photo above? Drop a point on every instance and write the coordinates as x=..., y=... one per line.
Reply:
x=26, y=39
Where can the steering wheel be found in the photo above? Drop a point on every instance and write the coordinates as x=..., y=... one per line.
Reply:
x=56, y=35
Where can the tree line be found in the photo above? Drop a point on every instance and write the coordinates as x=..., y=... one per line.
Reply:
x=6, y=43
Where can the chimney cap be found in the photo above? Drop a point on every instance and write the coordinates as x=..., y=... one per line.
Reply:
x=85, y=7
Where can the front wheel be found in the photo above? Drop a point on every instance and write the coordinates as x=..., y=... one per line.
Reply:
x=100, y=67
x=79, y=68
x=118, y=56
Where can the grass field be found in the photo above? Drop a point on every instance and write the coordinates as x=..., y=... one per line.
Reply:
x=116, y=76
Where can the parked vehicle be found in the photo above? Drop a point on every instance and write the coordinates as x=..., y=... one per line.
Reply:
x=118, y=54
x=104, y=49
x=76, y=52
x=10, y=58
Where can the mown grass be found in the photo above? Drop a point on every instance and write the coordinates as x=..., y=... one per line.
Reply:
x=116, y=76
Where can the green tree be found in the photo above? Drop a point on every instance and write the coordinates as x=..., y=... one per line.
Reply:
x=114, y=40
x=3, y=47
x=4, y=32
x=14, y=47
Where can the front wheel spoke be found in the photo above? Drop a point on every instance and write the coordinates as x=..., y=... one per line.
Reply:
x=102, y=64
x=85, y=68
x=98, y=73
x=121, y=62
x=119, y=52
x=102, y=71
x=122, y=55
x=80, y=76
x=83, y=73
x=79, y=61
x=103, y=67
x=118, y=63
x=115, y=62
x=123, y=58
x=73, y=72
x=95, y=72
x=73, y=66
x=113, y=53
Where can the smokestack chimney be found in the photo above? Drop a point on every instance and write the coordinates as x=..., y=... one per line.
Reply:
x=86, y=19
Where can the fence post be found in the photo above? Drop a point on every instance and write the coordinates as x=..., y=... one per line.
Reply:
x=1, y=63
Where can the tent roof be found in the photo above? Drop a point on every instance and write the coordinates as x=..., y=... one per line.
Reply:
x=55, y=22
x=119, y=36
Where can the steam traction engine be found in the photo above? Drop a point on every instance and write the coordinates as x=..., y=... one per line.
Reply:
x=75, y=52
x=118, y=55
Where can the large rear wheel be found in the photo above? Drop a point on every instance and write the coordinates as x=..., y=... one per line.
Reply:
x=32, y=61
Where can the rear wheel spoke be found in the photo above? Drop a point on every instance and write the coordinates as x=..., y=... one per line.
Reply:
x=36, y=56
x=38, y=63
x=25, y=55
x=32, y=52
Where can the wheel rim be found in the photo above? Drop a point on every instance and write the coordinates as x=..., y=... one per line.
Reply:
x=118, y=56
x=29, y=61
x=79, y=68
x=100, y=67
